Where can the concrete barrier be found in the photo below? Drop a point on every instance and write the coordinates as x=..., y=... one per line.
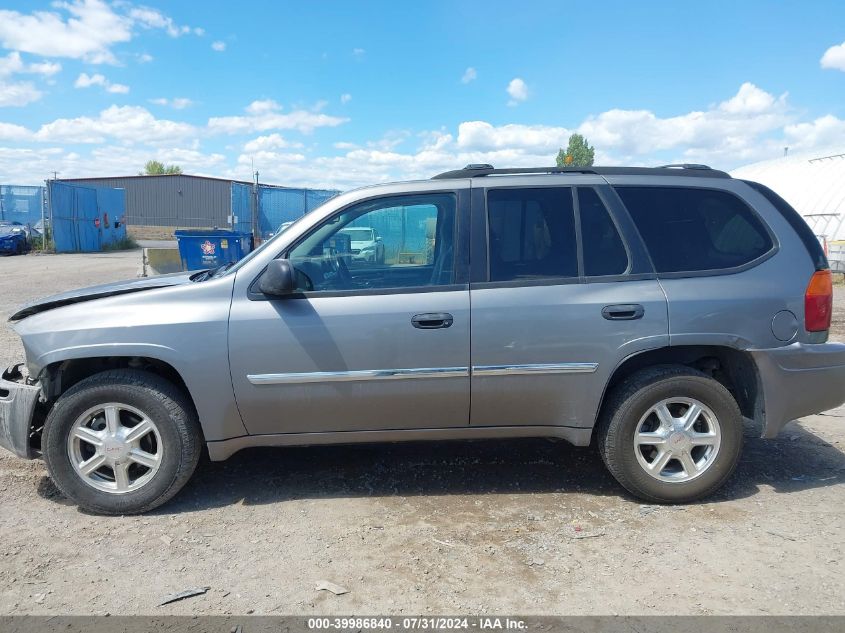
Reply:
x=159, y=261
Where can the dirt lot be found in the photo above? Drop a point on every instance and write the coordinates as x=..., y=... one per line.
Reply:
x=526, y=527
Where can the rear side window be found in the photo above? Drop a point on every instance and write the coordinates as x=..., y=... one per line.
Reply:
x=531, y=233
x=604, y=251
x=691, y=229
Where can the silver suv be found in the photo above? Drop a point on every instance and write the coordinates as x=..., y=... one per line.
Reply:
x=650, y=310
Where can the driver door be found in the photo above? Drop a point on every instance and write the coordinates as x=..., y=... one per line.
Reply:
x=371, y=341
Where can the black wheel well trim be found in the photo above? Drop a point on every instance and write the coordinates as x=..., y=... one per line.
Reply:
x=734, y=368
x=61, y=375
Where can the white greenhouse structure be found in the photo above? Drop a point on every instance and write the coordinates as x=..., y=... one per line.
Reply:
x=815, y=186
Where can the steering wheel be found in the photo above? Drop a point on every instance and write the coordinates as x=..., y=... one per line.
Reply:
x=302, y=280
x=338, y=266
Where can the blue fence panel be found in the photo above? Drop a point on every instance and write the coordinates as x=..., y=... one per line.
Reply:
x=86, y=218
x=111, y=206
x=21, y=204
x=242, y=207
x=276, y=205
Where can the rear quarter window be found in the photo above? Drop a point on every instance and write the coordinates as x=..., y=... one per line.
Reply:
x=693, y=229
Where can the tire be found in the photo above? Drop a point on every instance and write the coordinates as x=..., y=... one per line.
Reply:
x=636, y=405
x=174, y=440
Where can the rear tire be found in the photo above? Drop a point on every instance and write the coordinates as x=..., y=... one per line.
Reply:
x=121, y=442
x=644, y=441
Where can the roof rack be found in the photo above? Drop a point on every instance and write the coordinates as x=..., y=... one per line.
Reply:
x=685, y=169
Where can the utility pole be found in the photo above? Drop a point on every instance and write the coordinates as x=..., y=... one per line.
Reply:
x=256, y=237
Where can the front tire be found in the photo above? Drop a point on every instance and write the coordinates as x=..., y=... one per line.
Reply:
x=670, y=434
x=121, y=442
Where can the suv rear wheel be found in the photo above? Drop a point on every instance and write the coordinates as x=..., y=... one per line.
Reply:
x=670, y=434
x=121, y=442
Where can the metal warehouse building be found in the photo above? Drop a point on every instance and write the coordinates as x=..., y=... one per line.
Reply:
x=158, y=205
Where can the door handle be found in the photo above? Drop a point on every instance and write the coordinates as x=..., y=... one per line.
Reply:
x=623, y=312
x=432, y=320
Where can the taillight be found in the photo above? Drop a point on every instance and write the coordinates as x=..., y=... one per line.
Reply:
x=818, y=302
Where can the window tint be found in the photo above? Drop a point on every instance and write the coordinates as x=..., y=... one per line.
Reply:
x=531, y=233
x=397, y=242
x=695, y=229
x=604, y=251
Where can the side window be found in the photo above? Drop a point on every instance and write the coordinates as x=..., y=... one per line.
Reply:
x=690, y=229
x=604, y=251
x=531, y=233
x=396, y=242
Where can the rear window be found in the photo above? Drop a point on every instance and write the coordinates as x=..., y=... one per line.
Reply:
x=531, y=233
x=691, y=229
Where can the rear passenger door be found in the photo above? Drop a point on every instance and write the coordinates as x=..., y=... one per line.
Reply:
x=561, y=292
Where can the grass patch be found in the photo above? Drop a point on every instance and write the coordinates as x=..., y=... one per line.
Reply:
x=123, y=244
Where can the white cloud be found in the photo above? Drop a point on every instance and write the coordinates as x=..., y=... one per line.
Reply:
x=469, y=75
x=88, y=32
x=268, y=143
x=145, y=58
x=80, y=29
x=86, y=81
x=345, y=98
x=518, y=91
x=128, y=124
x=48, y=69
x=177, y=103
x=18, y=93
x=358, y=53
x=34, y=165
x=13, y=63
x=153, y=19
x=14, y=132
x=218, y=46
x=264, y=115
x=834, y=57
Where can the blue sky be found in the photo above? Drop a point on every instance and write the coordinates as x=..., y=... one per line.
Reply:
x=343, y=93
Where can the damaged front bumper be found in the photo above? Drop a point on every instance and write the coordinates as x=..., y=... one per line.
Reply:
x=18, y=397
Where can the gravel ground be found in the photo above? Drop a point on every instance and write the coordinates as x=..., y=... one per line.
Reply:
x=529, y=527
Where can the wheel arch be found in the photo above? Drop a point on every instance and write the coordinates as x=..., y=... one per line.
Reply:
x=61, y=375
x=734, y=369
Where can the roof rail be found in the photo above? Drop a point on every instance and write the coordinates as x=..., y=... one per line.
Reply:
x=686, y=166
x=686, y=169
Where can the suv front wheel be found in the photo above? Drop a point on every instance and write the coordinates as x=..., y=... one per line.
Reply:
x=121, y=442
x=670, y=434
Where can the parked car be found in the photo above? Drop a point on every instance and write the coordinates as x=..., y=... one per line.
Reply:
x=13, y=238
x=650, y=310
x=365, y=243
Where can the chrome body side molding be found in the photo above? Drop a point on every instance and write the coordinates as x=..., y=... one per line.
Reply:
x=358, y=375
x=542, y=368
x=421, y=372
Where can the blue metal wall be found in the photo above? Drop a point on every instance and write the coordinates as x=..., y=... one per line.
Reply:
x=86, y=219
x=276, y=205
x=21, y=204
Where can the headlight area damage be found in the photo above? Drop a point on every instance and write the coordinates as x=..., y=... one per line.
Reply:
x=19, y=397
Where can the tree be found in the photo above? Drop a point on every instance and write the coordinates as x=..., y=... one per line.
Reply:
x=157, y=168
x=577, y=154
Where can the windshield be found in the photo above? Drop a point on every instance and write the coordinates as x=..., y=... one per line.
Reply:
x=359, y=235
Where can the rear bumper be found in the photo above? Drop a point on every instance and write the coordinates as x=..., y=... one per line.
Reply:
x=799, y=380
x=17, y=406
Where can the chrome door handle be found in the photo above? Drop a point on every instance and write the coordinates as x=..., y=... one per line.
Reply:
x=432, y=320
x=623, y=312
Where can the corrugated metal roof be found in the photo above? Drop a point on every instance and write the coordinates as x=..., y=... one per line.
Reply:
x=813, y=184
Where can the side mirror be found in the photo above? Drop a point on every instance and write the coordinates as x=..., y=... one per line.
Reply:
x=279, y=279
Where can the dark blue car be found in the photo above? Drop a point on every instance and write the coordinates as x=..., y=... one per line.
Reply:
x=13, y=238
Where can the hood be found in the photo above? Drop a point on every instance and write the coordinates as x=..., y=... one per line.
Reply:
x=105, y=290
